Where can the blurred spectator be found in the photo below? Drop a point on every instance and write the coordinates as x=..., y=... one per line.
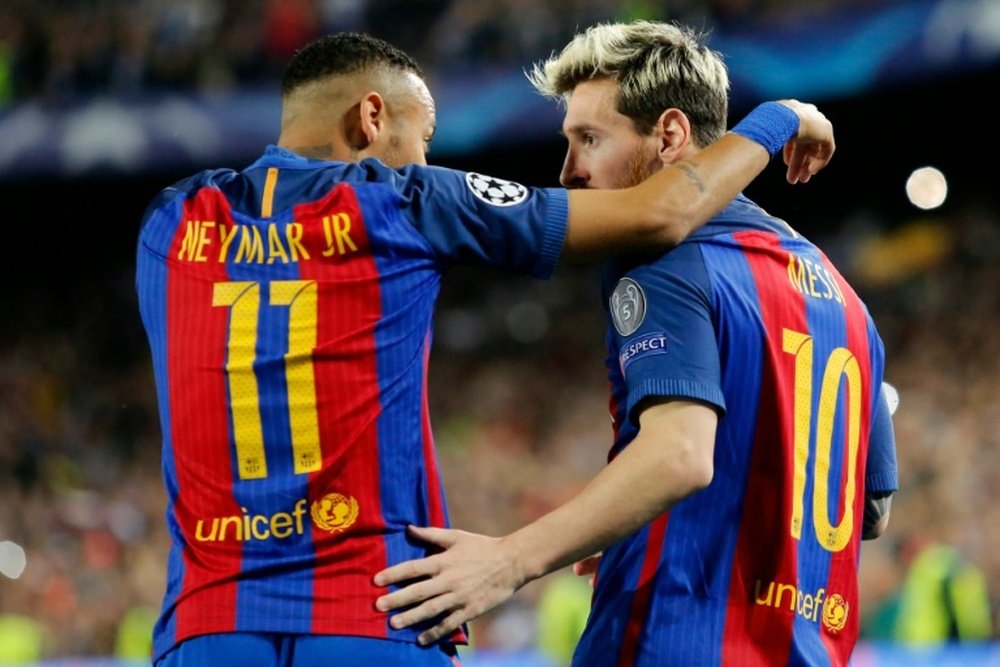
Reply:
x=134, y=639
x=943, y=598
x=563, y=607
x=59, y=50
x=21, y=640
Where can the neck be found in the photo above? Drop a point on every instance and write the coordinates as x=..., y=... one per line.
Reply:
x=317, y=144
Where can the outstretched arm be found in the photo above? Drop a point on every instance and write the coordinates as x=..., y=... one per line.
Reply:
x=662, y=210
x=669, y=459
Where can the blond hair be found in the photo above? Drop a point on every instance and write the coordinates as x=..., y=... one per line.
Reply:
x=658, y=66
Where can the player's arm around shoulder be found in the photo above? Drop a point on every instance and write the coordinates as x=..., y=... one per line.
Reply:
x=665, y=208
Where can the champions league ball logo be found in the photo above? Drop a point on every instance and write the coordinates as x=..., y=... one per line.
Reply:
x=496, y=191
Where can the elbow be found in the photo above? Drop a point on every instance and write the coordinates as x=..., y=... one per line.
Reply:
x=700, y=473
x=691, y=468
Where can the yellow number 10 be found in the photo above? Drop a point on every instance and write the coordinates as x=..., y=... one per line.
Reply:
x=243, y=300
x=840, y=364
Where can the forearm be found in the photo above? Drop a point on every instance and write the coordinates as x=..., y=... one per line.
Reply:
x=669, y=459
x=692, y=191
x=642, y=482
x=662, y=210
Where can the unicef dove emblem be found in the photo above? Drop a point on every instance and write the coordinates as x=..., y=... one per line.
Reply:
x=628, y=306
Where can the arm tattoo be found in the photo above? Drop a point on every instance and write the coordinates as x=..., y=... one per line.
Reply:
x=689, y=167
x=876, y=514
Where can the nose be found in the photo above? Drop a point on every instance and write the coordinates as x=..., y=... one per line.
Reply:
x=572, y=175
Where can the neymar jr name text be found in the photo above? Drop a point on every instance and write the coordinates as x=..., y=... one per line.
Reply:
x=273, y=243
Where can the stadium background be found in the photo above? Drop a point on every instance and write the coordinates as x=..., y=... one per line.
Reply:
x=102, y=103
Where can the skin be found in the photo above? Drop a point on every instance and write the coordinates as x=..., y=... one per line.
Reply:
x=340, y=119
x=604, y=151
x=669, y=459
x=385, y=115
x=390, y=117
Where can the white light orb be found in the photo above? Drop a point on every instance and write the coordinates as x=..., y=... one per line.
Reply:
x=927, y=188
x=12, y=560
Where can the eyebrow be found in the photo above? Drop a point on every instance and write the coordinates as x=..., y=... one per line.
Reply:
x=582, y=128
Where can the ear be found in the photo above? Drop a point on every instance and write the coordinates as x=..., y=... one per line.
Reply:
x=365, y=121
x=673, y=130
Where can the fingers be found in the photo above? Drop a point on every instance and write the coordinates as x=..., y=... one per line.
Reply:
x=804, y=160
x=406, y=571
x=442, y=629
x=813, y=147
x=442, y=537
x=427, y=610
x=587, y=566
x=421, y=567
x=409, y=595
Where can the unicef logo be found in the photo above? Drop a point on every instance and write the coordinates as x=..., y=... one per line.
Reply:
x=334, y=512
x=628, y=306
x=495, y=191
x=835, y=610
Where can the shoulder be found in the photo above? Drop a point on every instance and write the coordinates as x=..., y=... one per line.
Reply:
x=183, y=188
x=740, y=217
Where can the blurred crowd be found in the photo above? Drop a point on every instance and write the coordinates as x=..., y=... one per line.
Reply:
x=58, y=50
x=80, y=485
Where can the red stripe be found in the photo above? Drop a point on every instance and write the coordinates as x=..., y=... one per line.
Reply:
x=196, y=345
x=349, y=403
x=765, y=550
x=644, y=590
x=842, y=577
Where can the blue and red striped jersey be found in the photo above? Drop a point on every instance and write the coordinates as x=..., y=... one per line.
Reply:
x=760, y=567
x=289, y=310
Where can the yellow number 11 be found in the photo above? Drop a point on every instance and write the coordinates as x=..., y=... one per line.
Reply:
x=243, y=300
x=840, y=364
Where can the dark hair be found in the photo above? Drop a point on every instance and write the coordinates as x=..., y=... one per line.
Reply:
x=343, y=53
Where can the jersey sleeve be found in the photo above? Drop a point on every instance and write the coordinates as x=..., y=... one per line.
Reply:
x=468, y=217
x=662, y=329
x=881, y=473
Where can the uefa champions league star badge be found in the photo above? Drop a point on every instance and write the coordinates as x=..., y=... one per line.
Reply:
x=628, y=306
x=496, y=191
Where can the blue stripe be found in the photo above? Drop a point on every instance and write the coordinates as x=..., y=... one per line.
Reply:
x=151, y=272
x=740, y=337
x=408, y=291
x=285, y=593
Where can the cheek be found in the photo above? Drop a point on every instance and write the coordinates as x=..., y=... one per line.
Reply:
x=610, y=169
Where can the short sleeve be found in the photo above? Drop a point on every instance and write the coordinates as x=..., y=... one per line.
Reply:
x=661, y=329
x=881, y=473
x=468, y=217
